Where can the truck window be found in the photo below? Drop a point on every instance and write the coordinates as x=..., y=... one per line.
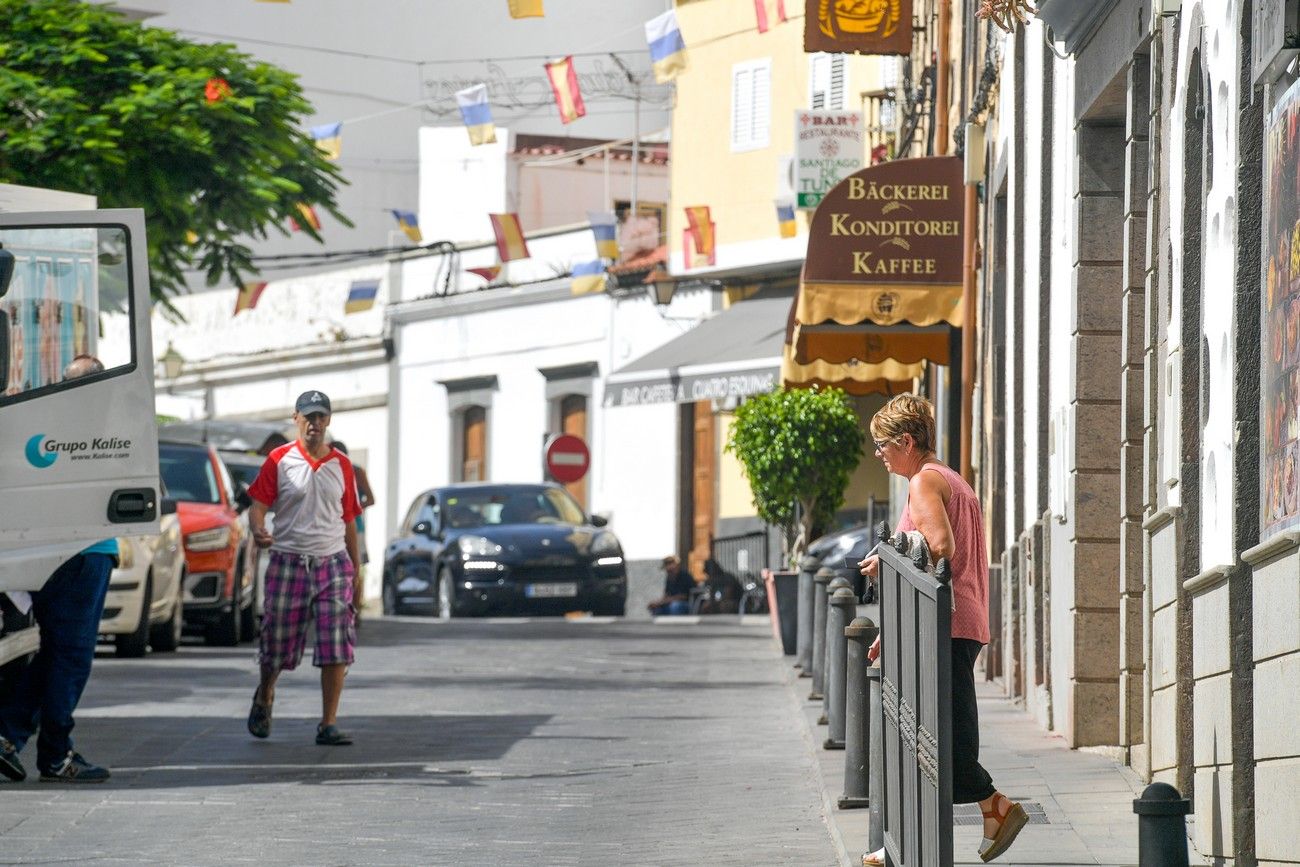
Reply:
x=69, y=295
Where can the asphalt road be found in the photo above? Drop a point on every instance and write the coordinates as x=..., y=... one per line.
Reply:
x=477, y=742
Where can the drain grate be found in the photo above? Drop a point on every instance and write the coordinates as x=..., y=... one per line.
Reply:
x=969, y=814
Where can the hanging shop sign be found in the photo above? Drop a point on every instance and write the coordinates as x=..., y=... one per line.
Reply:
x=829, y=146
x=885, y=245
x=862, y=26
x=1280, y=321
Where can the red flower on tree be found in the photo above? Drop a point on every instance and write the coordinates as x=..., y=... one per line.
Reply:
x=217, y=89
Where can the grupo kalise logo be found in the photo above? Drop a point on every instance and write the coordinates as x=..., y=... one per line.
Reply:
x=42, y=451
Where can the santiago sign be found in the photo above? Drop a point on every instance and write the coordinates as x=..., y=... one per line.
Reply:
x=829, y=146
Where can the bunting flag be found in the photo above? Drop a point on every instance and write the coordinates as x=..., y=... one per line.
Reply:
x=329, y=138
x=361, y=296
x=760, y=9
x=588, y=277
x=308, y=214
x=701, y=229
x=249, y=295
x=408, y=223
x=564, y=84
x=216, y=90
x=526, y=9
x=510, y=237
x=604, y=225
x=667, y=50
x=477, y=114
x=785, y=216
x=489, y=274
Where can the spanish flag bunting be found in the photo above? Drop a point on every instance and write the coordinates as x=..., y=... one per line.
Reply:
x=361, y=296
x=760, y=9
x=588, y=277
x=249, y=295
x=785, y=217
x=308, y=214
x=216, y=90
x=329, y=138
x=701, y=229
x=604, y=226
x=564, y=84
x=408, y=223
x=477, y=114
x=526, y=8
x=667, y=50
x=489, y=274
x=510, y=237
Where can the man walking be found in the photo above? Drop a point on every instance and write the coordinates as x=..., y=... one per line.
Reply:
x=67, y=609
x=312, y=491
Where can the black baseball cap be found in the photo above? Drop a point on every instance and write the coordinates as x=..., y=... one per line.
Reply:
x=312, y=401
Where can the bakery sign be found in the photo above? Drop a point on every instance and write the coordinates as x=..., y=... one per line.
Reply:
x=886, y=245
x=862, y=26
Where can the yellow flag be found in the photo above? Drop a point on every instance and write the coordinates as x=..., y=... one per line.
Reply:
x=526, y=8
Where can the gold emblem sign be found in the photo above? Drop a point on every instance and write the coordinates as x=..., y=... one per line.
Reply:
x=863, y=26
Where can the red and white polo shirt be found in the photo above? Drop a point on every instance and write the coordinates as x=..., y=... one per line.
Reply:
x=313, y=501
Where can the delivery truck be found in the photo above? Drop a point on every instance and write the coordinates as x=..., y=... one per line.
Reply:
x=78, y=457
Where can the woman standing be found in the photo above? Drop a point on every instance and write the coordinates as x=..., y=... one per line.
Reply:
x=942, y=506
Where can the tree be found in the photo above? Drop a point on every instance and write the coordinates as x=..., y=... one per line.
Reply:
x=203, y=138
x=798, y=448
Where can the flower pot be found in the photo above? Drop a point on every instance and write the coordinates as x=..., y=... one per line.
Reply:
x=783, y=603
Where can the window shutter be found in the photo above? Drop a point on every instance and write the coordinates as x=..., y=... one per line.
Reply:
x=819, y=79
x=835, y=90
x=762, y=108
x=742, y=110
x=751, y=105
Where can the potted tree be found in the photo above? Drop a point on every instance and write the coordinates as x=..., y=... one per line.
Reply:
x=798, y=448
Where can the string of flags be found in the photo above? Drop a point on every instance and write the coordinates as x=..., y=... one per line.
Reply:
x=309, y=216
x=329, y=138
x=761, y=12
x=476, y=112
x=409, y=224
x=249, y=295
x=361, y=296
x=510, y=237
x=785, y=218
x=564, y=84
x=667, y=49
x=604, y=227
x=588, y=277
x=525, y=8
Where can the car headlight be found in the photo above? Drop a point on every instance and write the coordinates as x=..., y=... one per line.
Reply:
x=478, y=546
x=208, y=540
x=605, y=544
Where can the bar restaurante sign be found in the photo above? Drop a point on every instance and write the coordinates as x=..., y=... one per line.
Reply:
x=862, y=26
x=886, y=245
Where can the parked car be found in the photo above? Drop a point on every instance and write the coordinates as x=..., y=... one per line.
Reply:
x=218, y=591
x=244, y=467
x=487, y=548
x=143, y=607
x=841, y=551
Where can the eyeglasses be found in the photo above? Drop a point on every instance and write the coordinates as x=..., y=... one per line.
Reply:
x=880, y=444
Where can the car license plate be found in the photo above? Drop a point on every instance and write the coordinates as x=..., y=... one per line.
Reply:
x=550, y=591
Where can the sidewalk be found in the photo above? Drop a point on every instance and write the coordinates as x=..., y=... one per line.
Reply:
x=1080, y=805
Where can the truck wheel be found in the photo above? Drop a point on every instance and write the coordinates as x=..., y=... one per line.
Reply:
x=166, y=636
x=133, y=644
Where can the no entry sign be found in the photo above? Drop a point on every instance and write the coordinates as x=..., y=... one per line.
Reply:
x=567, y=458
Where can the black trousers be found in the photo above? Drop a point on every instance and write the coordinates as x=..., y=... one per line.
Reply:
x=970, y=782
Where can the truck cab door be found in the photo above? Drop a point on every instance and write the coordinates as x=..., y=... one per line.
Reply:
x=78, y=437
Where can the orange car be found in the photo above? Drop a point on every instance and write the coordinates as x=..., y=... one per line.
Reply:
x=218, y=595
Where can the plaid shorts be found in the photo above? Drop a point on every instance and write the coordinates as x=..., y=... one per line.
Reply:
x=301, y=589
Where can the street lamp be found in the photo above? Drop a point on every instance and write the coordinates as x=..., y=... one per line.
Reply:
x=662, y=286
x=172, y=361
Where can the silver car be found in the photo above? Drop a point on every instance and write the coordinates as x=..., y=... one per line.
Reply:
x=143, y=606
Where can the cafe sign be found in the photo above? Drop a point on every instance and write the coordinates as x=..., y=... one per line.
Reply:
x=885, y=245
x=862, y=26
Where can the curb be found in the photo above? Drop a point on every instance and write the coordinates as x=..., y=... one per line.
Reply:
x=828, y=803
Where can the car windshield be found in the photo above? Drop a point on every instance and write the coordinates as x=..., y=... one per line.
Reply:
x=188, y=474
x=497, y=506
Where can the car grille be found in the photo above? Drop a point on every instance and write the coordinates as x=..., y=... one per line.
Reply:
x=204, y=587
x=549, y=574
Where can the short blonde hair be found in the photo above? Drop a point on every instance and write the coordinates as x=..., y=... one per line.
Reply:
x=906, y=414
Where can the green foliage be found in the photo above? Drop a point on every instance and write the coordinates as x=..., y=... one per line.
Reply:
x=798, y=448
x=93, y=103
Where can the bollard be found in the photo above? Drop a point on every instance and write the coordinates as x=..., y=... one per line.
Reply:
x=833, y=637
x=857, y=718
x=1162, y=826
x=820, y=580
x=804, y=635
x=842, y=606
x=875, y=763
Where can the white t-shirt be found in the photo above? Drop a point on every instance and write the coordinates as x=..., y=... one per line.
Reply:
x=313, y=501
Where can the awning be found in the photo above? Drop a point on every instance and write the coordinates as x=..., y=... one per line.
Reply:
x=736, y=353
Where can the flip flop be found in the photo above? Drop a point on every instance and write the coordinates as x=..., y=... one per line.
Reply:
x=330, y=736
x=259, y=717
x=1010, y=822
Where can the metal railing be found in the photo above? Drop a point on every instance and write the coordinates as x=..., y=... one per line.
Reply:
x=744, y=557
x=916, y=705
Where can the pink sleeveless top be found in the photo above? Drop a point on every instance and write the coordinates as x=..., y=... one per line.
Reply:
x=970, y=560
